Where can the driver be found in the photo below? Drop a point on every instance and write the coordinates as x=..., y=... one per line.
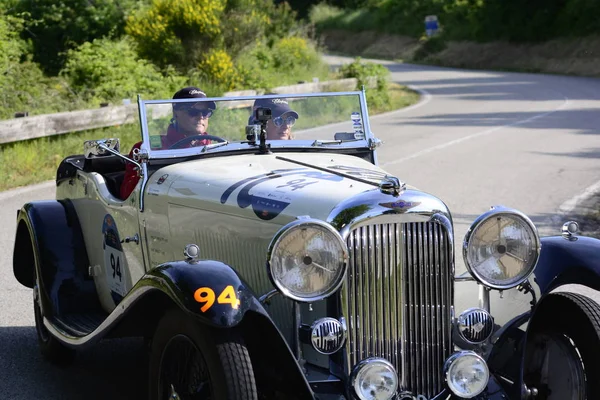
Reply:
x=189, y=119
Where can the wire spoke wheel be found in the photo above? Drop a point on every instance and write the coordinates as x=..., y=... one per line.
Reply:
x=183, y=371
x=190, y=361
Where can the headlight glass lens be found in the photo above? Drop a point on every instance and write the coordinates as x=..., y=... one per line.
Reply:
x=308, y=261
x=502, y=250
x=467, y=374
x=376, y=380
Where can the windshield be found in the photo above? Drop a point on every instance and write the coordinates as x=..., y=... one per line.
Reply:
x=172, y=128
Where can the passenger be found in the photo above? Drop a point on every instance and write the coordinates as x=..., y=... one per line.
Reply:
x=279, y=127
x=189, y=119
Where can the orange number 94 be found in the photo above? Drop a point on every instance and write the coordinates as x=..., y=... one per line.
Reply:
x=207, y=296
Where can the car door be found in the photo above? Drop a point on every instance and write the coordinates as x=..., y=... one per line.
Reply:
x=113, y=239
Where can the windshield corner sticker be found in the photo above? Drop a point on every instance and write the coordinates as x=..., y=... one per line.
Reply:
x=269, y=204
x=357, y=125
x=113, y=258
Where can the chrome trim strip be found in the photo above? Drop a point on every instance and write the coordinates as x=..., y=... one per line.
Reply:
x=270, y=96
x=143, y=147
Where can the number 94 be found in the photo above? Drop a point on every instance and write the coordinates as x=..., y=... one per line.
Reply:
x=206, y=296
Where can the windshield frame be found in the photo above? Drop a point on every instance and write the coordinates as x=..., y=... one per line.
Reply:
x=301, y=144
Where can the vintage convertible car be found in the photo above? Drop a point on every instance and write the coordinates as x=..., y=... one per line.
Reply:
x=298, y=269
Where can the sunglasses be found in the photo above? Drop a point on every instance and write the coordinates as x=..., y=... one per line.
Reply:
x=194, y=112
x=289, y=121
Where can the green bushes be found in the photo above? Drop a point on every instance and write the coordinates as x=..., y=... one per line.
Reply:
x=23, y=85
x=288, y=61
x=173, y=32
x=477, y=20
x=377, y=97
x=106, y=70
x=55, y=26
x=81, y=53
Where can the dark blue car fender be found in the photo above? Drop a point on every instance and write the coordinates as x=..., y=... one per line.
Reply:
x=208, y=290
x=214, y=294
x=564, y=263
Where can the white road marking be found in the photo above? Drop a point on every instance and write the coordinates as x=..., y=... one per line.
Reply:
x=564, y=105
x=571, y=204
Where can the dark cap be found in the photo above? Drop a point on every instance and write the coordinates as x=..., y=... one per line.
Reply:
x=192, y=92
x=278, y=106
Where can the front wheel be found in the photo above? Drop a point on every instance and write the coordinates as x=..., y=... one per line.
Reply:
x=190, y=361
x=562, y=358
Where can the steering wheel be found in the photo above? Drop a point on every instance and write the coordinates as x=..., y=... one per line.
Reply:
x=188, y=139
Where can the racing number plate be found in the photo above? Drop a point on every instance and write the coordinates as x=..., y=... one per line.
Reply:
x=114, y=258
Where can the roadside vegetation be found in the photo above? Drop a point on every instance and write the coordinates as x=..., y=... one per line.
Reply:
x=37, y=159
x=481, y=21
x=65, y=55
x=551, y=36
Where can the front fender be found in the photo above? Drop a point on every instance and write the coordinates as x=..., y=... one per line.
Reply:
x=276, y=368
x=209, y=290
x=563, y=261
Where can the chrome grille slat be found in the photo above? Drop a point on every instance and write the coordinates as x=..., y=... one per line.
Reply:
x=398, y=299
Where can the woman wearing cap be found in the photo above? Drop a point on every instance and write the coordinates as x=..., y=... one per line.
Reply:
x=189, y=119
x=279, y=127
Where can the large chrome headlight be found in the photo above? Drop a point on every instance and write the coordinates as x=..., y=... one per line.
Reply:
x=501, y=248
x=307, y=260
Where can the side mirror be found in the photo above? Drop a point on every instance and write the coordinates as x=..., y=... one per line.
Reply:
x=101, y=148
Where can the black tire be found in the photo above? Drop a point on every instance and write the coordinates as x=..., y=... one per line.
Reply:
x=562, y=357
x=51, y=349
x=217, y=363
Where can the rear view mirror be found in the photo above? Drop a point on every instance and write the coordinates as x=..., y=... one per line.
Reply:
x=101, y=147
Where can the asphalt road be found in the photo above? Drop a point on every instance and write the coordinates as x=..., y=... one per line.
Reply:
x=476, y=139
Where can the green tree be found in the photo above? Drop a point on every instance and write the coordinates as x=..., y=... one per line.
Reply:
x=55, y=26
x=23, y=86
x=177, y=32
x=186, y=37
x=106, y=70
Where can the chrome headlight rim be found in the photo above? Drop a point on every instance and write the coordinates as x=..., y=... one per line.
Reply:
x=494, y=212
x=295, y=225
x=358, y=368
x=450, y=362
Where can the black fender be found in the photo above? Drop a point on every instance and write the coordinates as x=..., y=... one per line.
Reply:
x=564, y=261
x=179, y=283
x=189, y=283
x=49, y=237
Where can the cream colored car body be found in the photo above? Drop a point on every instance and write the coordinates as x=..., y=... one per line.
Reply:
x=198, y=202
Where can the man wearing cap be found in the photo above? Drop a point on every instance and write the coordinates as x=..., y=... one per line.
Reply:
x=189, y=119
x=279, y=127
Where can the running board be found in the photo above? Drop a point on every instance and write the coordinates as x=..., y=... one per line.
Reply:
x=79, y=324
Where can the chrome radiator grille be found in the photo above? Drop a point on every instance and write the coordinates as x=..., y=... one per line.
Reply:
x=397, y=300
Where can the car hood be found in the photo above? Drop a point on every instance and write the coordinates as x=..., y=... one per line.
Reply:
x=277, y=187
